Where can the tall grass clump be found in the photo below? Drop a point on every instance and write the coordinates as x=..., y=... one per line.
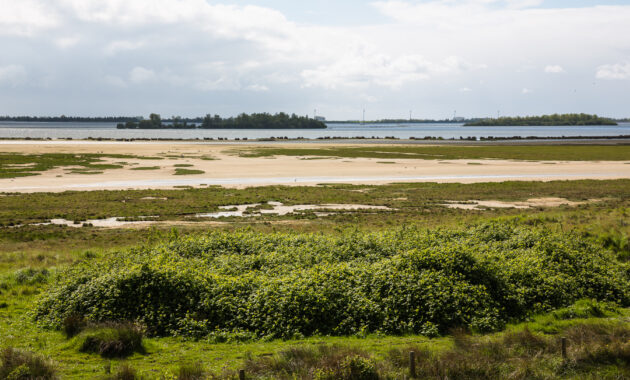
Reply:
x=193, y=371
x=321, y=362
x=17, y=364
x=292, y=285
x=112, y=340
x=124, y=372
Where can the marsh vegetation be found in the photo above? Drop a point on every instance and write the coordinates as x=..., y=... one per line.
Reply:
x=482, y=293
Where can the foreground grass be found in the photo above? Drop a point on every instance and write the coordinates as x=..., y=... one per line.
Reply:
x=596, y=350
x=30, y=257
x=505, y=152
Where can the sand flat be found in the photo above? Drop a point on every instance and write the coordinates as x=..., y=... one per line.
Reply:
x=228, y=169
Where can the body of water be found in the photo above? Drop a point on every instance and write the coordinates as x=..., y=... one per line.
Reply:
x=57, y=130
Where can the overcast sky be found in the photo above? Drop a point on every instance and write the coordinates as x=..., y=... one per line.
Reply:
x=433, y=57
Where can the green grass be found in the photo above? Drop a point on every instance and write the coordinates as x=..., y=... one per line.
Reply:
x=31, y=257
x=412, y=204
x=88, y=172
x=146, y=168
x=14, y=165
x=180, y=171
x=265, y=359
x=20, y=287
x=408, y=199
x=504, y=152
x=183, y=165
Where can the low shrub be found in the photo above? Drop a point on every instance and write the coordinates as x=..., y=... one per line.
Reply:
x=294, y=285
x=112, y=341
x=358, y=368
x=17, y=364
x=73, y=324
x=31, y=276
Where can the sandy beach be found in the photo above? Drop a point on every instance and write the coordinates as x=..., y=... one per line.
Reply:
x=223, y=166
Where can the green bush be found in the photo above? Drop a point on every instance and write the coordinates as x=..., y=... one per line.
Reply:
x=112, y=341
x=358, y=368
x=17, y=364
x=293, y=285
x=31, y=276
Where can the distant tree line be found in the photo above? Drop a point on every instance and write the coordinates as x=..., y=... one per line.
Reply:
x=64, y=118
x=545, y=120
x=243, y=121
x=399, y=121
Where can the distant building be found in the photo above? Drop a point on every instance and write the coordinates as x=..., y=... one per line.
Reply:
x=459, y=119
x=320, y=118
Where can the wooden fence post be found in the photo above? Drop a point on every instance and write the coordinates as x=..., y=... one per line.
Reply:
x=412, y=364
x=564, y=347
x=241, y=374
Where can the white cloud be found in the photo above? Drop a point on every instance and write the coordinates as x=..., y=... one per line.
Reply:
x=368, y=98
x=616, y=71
x=141, y=75
x=118, y=46
x=115, y=81
x=483, y=28
x=257, y=88
x=223, y=83
x=361, y=70
x=66, y=42
x=12, y=75
x=26, y=17
x=526, y=91
x=418, y=52
x=554, y=69
x=517, y=4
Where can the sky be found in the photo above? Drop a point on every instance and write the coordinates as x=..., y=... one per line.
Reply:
x=391, y=58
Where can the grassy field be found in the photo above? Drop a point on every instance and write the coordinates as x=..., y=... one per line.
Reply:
x=442, y=152
x=178, y=205
x=35, y=260
x=20, y=165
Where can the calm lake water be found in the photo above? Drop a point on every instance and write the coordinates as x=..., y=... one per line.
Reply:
x=402, y=131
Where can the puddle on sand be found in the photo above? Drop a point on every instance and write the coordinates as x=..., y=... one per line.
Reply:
x=534, y=202
x=107, y=222
x=235, y=210
x=280, y=209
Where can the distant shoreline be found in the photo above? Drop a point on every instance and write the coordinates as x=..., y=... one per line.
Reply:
x=560, y=140
x=564, y=120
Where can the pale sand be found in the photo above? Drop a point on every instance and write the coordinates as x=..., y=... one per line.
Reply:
x=233, y=171
x=533, y=202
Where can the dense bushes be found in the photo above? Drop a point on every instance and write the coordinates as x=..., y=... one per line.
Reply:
x=282, y=285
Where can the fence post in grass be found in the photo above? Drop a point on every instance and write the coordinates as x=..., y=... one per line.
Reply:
x=412, y=364
x=564, y=347
x=241, y=374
